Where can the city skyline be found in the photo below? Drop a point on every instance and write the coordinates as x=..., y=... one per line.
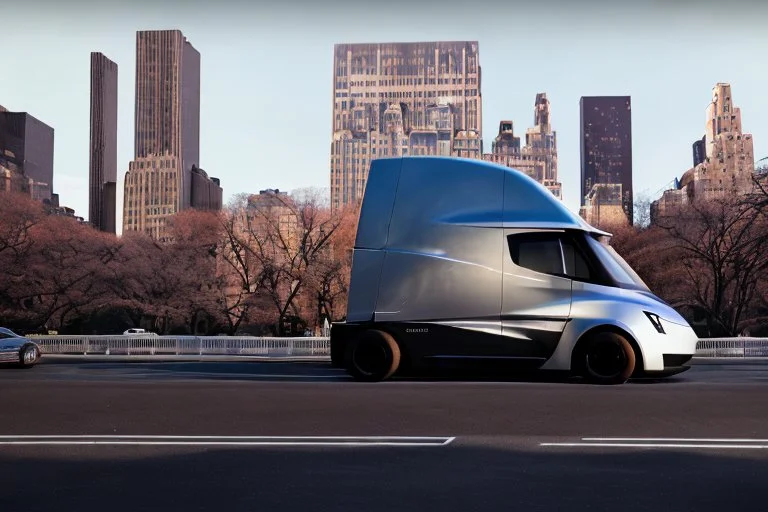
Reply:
x=256, y=150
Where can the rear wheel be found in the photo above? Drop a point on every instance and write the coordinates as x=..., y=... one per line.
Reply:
x=372, y=356
x=607, y=358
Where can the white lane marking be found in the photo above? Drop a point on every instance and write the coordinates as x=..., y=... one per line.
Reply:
x=675, y=439
x=217, y=443
x=660, y=445
x=665, y=442
x=224, y=440
x=142, y=436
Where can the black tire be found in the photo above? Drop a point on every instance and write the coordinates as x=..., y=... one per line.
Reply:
x=29, y=356
x=607, y=358
x=372, y=356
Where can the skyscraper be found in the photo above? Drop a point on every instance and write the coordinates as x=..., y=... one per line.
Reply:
x=103, y=144
x=26, y=155
x=723, y=159
x=395, y=99
x=159, y=181
x=538, y=158
x=606, y=153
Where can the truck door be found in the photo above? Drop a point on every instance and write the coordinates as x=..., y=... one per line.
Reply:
x=536, y=289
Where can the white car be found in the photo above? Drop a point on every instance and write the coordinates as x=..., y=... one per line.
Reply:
x=135, y=331
x=17, y=349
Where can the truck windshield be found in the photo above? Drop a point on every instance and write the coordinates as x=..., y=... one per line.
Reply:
x=615, y=265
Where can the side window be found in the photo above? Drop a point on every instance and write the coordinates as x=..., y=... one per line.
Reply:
x=539, y=252
x=549, y=253
x=575, y=264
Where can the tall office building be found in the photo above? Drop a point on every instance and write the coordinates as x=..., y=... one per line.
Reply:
x=103, y=144
x=160, y=181
x=723, y=161
x=395, y=99
x=26, y=155
x=606, y=158
x=538, y=158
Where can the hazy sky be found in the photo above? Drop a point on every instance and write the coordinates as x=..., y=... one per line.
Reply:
x=267, y=75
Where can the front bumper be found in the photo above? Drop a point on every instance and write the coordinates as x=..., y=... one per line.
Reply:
x=668, y=353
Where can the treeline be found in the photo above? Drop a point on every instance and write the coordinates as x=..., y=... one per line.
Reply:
x=283, y=268
x=274, y=271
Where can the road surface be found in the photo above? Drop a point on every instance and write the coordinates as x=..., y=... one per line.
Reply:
x=186, y=435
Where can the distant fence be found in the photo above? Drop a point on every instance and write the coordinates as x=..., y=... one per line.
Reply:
x=290, y=347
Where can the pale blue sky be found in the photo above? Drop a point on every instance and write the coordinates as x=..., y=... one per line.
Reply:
x=267, y=76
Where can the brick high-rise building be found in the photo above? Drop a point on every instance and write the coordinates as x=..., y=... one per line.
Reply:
x=160, y=181
x=395, y=99
x=26, y=155
x=606, y=152
x=727, y=166
x=538, y=158
x=103, y=144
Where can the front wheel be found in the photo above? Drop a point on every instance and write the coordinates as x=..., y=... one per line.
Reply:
x=29, y=356
x=607, y=358
x=372, y=356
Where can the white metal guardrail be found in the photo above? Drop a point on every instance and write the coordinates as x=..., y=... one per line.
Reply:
x=184, y=345
x=732, y=347
x=291, y=347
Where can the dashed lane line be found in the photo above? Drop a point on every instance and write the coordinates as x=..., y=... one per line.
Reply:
x=160, y=440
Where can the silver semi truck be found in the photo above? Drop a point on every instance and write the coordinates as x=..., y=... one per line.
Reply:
x=465, y=261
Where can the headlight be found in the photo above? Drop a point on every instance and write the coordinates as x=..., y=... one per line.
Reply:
x=656, y=321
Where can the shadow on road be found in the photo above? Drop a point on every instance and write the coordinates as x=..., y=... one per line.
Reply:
x=278, y=371
x=310, y=371
x=453, y=478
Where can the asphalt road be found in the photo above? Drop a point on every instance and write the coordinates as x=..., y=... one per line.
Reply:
x=256, y=436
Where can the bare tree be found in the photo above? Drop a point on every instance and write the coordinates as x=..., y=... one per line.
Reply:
x=331, y=273
x=196, y=238
x=723, y=244
x=18, y=214
x=642, y=210
x=288, y=237
x=62, y=273
x=239, y=268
